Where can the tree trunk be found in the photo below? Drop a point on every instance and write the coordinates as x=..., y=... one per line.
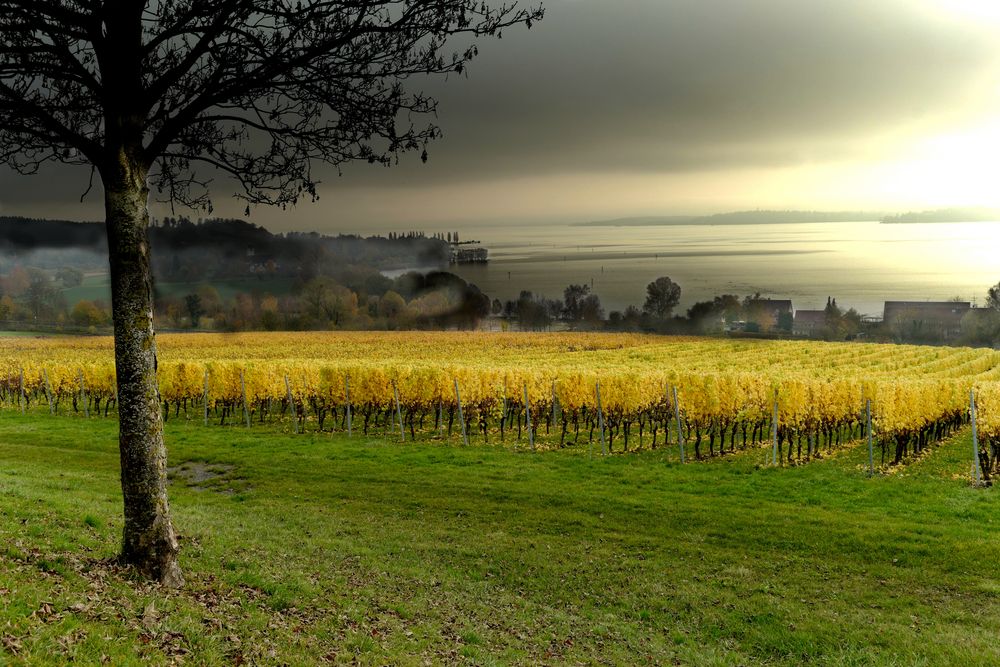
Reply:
x=149, y=543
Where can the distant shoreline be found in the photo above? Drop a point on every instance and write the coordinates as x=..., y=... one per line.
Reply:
x=738, y=218
x=946, y=215
x=938, y=222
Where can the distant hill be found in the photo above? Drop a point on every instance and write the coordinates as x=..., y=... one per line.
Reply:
x=978, y=214
x=738, y=218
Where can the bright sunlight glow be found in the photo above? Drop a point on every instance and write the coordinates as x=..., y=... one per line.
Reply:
x=959, y=167
x=977, y=10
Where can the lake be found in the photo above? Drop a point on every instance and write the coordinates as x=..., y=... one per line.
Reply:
x=861, y=264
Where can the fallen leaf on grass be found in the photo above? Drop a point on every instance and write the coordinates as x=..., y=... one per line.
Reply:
x=46, y=613
x=11, y=644
x=172, y=644
x=150, y=616
x=213, y=623
x=66, y=642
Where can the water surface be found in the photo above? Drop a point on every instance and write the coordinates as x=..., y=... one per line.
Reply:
x=861, y=264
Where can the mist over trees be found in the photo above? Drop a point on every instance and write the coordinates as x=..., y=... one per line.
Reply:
x=581, y=308
x=294, y=281
x=217, y=248
x=355, y=300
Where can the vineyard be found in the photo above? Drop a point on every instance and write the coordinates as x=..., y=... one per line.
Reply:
x=607, y=393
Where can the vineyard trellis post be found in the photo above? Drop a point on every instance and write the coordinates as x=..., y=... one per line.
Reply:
x=864, y=402
x=243, y=391
x=347, y=389
x=978, y=471
x=399, y=413
x=204, y=398
x=590, y=446
x=868, y=431
x=440, y=415
x=292, y=407
x=527, y=418
x=555, y=404
x=48, y=391
x=23, y=398
x=774, y=433
x=83, y=396
x=677, y=417
x=306, y=392
x=600, y=420
x=461, y=415
x=503, y=409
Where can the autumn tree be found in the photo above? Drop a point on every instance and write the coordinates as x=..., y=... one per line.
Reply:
x=662, y=296
x=162, y=96
x=87, y=314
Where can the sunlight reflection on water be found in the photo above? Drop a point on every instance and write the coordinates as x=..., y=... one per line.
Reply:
x=862, y=264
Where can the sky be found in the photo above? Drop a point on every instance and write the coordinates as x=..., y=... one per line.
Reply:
x=658, y=107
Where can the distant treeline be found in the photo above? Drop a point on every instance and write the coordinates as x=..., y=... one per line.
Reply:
x=19, y=234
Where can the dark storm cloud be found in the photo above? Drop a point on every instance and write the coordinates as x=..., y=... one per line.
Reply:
x=681, y=85
x=658, y=86
x=53, y=193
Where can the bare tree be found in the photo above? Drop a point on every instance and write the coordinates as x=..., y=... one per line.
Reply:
x=162, y=95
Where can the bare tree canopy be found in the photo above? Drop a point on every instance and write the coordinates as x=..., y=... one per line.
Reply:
x=255, y=89
x=165, y=94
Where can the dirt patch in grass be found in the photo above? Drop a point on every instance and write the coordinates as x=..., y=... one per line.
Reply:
x=201, y=476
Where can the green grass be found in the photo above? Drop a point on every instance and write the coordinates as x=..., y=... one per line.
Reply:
x=93, y=288
x=313, y=548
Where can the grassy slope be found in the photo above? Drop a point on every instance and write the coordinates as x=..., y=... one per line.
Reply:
x=318, y=547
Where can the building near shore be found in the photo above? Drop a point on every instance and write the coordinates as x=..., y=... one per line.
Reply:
x=808, y=322
x=470, y=255
x=925, y=320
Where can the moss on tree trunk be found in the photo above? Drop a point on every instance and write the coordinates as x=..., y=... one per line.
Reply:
x=149, y=543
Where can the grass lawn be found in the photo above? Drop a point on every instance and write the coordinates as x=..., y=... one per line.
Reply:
x=312, y=548
x=93, y=288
